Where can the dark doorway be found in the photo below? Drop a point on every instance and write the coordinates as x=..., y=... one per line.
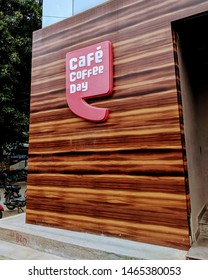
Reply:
x=192, y=58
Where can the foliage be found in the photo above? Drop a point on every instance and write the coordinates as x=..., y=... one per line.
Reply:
x=18, y=19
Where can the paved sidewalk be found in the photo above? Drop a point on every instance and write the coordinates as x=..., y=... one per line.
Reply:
x=11, y=251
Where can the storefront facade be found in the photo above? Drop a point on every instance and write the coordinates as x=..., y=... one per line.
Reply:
x=129, y=173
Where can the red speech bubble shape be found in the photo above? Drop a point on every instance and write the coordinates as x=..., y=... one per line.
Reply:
x=89, y=74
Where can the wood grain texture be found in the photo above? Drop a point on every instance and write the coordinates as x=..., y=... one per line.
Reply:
x=124, y=177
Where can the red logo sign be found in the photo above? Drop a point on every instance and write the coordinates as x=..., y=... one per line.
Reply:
x=89, y=73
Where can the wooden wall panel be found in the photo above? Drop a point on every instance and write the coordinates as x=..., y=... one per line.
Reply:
x=124, y=177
